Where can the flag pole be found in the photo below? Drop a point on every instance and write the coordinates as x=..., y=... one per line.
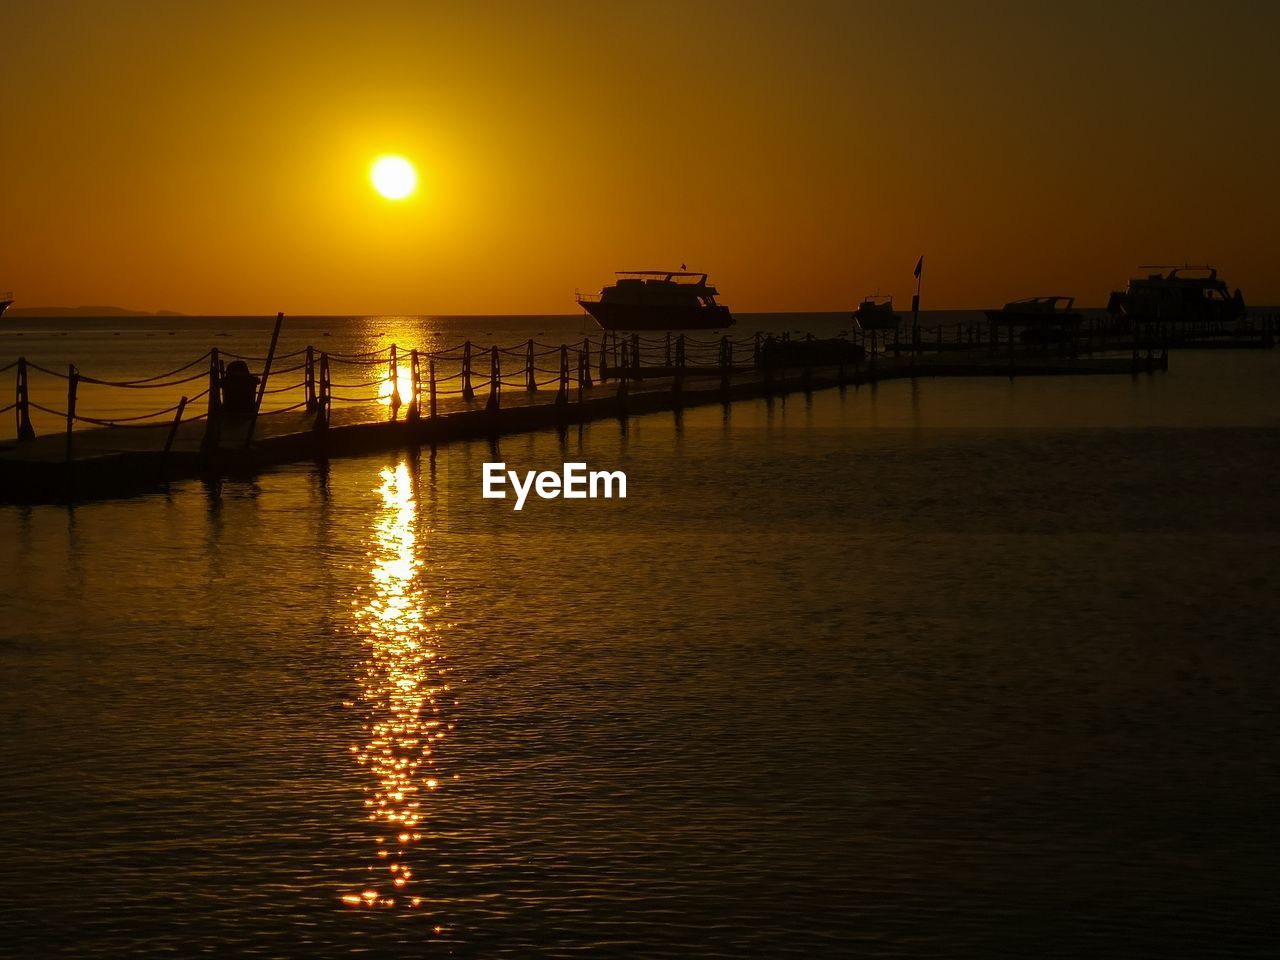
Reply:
x=915, y=306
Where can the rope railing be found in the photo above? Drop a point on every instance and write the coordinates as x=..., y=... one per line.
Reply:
x=415, y=380
x=251, y=359
x=134, y=385
x=152, y=381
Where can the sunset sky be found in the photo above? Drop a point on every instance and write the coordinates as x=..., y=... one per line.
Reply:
x=214, y=157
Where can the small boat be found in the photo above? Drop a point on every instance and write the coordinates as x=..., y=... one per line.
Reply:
x=657, y=300
x=6, y=299
x=1036, y=311
x=1041, y=318
x=1183, y=294
x=876, y=313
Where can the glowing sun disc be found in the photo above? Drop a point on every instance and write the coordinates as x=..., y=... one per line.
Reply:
x=394, y=177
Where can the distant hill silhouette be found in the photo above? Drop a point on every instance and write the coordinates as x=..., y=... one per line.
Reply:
x=90, y=311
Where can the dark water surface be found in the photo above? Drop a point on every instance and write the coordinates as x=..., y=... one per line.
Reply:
x=958, y=668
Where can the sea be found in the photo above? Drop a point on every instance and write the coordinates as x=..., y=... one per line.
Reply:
x=971, y=667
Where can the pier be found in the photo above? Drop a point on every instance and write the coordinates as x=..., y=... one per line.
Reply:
x=226, y=414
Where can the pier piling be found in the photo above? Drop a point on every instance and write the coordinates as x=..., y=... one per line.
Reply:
x=266, y=372
x=495, y=381
x=415, y=386
x=213, y=417
x=73, y=383
x=393, y=371
x=23, y=403
x=562, y=396
x=324, y=398
x=431, y=387
x=309, y=379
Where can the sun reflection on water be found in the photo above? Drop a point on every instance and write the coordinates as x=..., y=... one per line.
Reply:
x=403, y=684
x=402, y=385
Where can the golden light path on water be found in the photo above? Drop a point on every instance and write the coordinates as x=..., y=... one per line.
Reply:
x=402, y=384
x=403, y=685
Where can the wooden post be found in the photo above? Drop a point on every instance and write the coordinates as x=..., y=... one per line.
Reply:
x=635, y=355
x=726, y=363
x=495, y=380
x=309, y=376
x=603, y=366
x=325, y=400
x=562, y=396
x=431, y=386
x=394, y=372
x=530, y=380
x=23, y=409
x=584, y=377
x=467, y=393
x=621, y=371
x=668, y=349
x=213, y=420
x=262, y=384
x=415, y=393
x=73, y=382
x=173, y=429
x=915, y=306
x=679, y=377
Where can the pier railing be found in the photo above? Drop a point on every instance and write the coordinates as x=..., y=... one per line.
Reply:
x=409, y=383
x=219, y=386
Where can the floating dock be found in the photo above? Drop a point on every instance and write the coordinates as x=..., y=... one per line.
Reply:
x=394, y=398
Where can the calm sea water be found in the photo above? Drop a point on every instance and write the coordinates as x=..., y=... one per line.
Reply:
x=951, y=668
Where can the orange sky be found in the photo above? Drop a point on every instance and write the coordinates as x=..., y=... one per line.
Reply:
x=213, y=157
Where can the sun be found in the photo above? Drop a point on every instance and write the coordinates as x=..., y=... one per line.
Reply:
x=393, y=177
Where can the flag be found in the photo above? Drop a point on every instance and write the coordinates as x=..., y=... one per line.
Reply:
x=919, y=266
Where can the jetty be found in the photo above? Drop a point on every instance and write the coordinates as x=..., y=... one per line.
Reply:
x=227, y=414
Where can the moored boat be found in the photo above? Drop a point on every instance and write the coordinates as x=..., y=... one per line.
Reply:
x=657, y=300
x=1180, y=295
x=1036, y=311
x=876, y=313
x=1039, y=318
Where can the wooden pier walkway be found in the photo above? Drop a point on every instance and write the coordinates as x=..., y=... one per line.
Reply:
x=452, y=395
